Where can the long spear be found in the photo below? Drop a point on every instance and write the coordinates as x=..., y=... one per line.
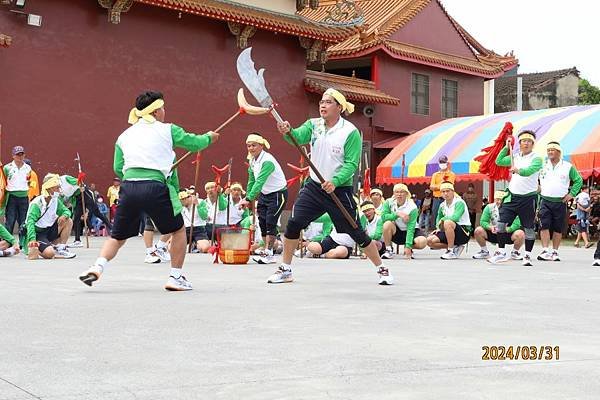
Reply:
x=80, y=178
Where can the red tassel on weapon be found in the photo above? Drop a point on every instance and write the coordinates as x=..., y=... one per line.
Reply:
x=301, y=174
x=488, y=158
x=367, y=182
x=80, y=177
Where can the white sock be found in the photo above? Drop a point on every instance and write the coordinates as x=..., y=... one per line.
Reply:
x=502, y=250
x=546, y=250
x=149, y=250
x=61, y=246
x=269, y=252
x=161, y=245
x=390, y=249
x=176, y=273
x=484, y=248
x=102, y=263
x=287, y=267
x=528, y=254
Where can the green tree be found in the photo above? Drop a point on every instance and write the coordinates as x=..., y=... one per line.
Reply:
x=588, y=93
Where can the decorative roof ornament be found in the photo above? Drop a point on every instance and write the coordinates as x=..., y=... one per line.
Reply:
x=115, y=8
x=345, y=12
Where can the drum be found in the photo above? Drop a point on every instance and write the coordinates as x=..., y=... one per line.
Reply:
x=234, y=245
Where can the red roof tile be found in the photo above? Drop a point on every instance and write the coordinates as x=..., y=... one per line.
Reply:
x=354, y=89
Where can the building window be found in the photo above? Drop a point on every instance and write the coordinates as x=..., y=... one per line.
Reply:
x=449, y=98
x=420, y=94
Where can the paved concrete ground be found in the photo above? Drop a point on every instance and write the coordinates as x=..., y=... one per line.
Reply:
x=333, y=334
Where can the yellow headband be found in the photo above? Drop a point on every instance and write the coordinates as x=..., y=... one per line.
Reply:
x=367, y=207
x=402, y=187
x=53, y=181
x=346, y=105
x=527, y=136
x=499, y=194
x=254, y=138
x=554, y=146
x=207, y=184
x=378, y=191
x=447, y=186
x=145, y=114
x=184, y=194
x=237, y=186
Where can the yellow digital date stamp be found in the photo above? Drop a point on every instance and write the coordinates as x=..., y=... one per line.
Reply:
x=527, y=353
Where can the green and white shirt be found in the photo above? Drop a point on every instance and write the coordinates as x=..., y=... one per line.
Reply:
x=264, y=176
x=221, y=218
x=144, y=151
x=555, y=180
x=455, y=211
x=374, y=228
x=69, y=187
x=6, y=235
x=319, y=228
x=390, y=210
x=17, y=179
x=334, y=152
x=42, y=215
x=236, y=213
x=525, y=183
x=491, y=216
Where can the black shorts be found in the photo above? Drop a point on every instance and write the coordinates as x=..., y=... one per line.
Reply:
x=493, y=237
x=521, y=206
x=312, y=202
x=461, y=236
x=400, y=236
x=46, y=236
x=269, y=207
x=329, y=244
x=150, y=226
x=552, y=215
x=198, y=234
x=138, y=197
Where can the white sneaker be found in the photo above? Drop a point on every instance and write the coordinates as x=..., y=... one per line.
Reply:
x=527, y=261
x=515, y=255
x=152, y=258
x=91, y=275
x=178, y=284
x=385, y=278
x=267, y=259
x=64, y=253
x=388, y=255
x=482, y=254
x=596, y=263
x=297, y=253
x=281, y=276
x=555, y=256
x=545, y=256
x=75, y=244
x=498, y=258
x=449, y=255
x=163, y=254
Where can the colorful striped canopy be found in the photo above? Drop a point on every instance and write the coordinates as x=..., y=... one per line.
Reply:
x=576, y=128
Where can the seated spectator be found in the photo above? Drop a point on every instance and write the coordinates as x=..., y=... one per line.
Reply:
x=372, y=223
x=316, y=231
x=488, y=230
x=8, y=244
x=236, y=211
x=48, y=223
x=334, y=245
x=199, y=235
x=400, y=223
x=453, y=224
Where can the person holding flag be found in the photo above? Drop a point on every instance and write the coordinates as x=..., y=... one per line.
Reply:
x=521, y=199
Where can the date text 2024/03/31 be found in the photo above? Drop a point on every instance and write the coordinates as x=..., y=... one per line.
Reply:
x=520, y=353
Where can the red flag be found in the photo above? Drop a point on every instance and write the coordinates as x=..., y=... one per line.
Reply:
x=367, y=182
x=488, y=158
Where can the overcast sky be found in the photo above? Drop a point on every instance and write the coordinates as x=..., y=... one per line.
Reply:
x=545, y=35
